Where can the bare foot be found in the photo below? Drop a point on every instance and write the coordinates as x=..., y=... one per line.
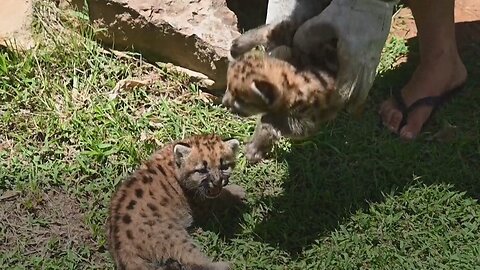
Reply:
x=433, y=77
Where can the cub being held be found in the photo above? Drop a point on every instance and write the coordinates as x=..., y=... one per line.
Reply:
x=150, y=212
x=293, y=91
x=293, y=102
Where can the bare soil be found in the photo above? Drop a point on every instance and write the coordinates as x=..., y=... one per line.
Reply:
x=467, y=23
x=33, y=220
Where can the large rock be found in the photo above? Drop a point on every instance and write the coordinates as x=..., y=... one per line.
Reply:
x=194, y=34
x=15, y=23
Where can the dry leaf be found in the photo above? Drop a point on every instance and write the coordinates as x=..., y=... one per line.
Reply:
x=208, y=98
x=126, y=85
x=143, y=136
x=5, y=144
x=9, y=195
x=129, y=84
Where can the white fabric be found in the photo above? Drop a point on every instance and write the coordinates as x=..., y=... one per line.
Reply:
x=279, y=10
x=361, y=27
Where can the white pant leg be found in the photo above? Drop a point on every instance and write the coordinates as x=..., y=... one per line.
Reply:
x=279, y=10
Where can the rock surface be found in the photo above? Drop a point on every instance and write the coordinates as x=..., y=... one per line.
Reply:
x=194, y=34
x=15, y=23
x=78, y=5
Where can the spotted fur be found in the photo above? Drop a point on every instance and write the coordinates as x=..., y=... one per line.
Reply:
x=150, y=212
x=293, y=101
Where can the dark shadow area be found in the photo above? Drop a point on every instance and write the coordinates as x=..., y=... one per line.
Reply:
x=352, y=163
x=225, y=223
x=223, y=217
x=250, y=13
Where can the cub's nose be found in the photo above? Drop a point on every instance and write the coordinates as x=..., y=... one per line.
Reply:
x=215, y=183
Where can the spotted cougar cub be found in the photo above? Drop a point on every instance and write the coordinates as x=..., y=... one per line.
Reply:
x=150, y=212
x=292, y=102
x=293, y=91
x=277, y=36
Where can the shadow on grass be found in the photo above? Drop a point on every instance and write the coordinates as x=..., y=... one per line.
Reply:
x=352, y=163
x=223, y=218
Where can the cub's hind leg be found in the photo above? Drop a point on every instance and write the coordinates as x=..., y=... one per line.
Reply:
x=268, y=35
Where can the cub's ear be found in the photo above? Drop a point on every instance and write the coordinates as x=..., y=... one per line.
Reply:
x=265, y=90
x=234, y=144
x=180, y=152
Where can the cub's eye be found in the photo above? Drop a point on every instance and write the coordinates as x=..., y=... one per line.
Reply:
x=203, y=170
x=224, y=165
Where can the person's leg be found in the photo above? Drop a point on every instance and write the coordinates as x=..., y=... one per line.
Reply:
x=278, y=10
x=440, y=68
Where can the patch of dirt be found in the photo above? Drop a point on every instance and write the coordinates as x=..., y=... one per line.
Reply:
x=467, y=23
x=30, y=221
x=6, y=144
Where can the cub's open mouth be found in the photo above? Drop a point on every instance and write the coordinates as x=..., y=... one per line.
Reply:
x=239, y=113
x=214, y=192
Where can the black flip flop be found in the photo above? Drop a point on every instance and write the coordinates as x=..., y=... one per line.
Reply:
x=433, y=101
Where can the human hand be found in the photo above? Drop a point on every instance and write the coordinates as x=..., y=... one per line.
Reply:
x=360, y=28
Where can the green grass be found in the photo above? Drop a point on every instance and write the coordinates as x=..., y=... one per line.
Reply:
x=353, y=197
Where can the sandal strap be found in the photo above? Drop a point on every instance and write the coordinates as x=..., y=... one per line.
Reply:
x=431, y=101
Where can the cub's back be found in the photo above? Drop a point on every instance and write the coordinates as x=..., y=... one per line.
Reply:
x=149, y=211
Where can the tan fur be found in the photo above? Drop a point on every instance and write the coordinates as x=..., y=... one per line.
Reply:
x=280, y=32
x=149, y=212
x=293, y=87
x=293, y=101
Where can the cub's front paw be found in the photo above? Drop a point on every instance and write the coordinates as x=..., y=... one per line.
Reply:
x=254, y=154
x=237, y=192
